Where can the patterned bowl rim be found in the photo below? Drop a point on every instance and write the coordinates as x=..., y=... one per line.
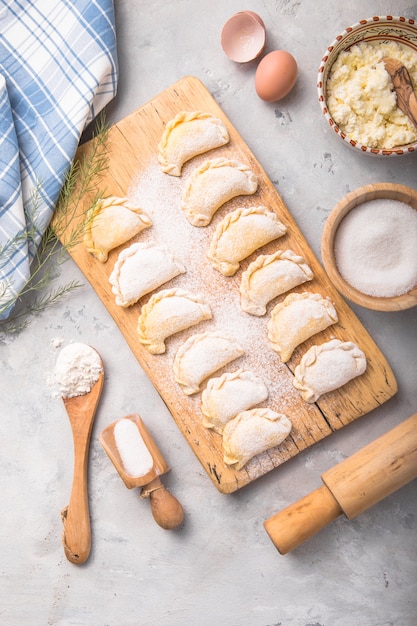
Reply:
x=333, y=49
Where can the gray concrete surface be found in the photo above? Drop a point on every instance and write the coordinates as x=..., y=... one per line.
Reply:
x=221, y=569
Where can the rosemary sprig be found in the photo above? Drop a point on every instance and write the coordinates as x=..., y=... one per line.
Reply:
x=39, y=292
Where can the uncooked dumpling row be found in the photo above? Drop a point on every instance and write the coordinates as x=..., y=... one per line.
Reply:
x=188, y=135
x=297, y=318
x=111, y=222
x=212, y=184
x=226, y=396
x=230, y=402
x=327, y=367
x=141, y=268
x=269, y=276
x=168, y=312
x=202, y=355
x=252, y=432
x=239, y=234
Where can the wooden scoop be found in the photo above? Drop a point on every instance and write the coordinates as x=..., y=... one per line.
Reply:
x=166, y=510
x=351, y=487
x=75, y=517
x=406, y=98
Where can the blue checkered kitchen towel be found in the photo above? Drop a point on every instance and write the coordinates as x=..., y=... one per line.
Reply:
x=58, y=69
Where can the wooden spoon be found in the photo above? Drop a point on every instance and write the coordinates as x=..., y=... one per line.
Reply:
x=166, y=510
x=406, y=98
x=76, y=536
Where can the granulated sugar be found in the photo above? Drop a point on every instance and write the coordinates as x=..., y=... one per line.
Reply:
x=136, y=458
x=376, y=248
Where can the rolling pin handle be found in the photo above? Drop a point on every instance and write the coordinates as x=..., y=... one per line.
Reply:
x=293, y=525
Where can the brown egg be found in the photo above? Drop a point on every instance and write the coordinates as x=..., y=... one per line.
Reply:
x=276, y=75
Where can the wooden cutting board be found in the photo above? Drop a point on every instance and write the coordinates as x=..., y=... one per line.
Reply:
x=134, y=172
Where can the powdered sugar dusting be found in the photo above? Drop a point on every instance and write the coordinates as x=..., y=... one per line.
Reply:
x=159, y=195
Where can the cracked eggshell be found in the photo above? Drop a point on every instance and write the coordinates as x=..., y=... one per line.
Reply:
x=243, y=36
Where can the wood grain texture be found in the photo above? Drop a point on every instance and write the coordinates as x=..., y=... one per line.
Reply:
x=76, y=537
x=298, y=522
x=403, y=86
x=351, y=487
x=166, y=509
x=375, y=471
x=132, y=147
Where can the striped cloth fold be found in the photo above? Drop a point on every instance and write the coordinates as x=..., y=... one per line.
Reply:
x=58, y=69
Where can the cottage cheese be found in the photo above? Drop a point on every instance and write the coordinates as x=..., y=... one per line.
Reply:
x=361, y=99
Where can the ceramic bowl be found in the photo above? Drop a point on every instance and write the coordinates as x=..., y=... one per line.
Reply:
x=380, y=28
x=366, y=193
x=243, y=36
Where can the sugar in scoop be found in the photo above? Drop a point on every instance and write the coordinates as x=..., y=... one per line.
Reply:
x=134, y=454
x=139, y=462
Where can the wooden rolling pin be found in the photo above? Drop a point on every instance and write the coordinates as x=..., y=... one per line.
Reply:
x=351, y=487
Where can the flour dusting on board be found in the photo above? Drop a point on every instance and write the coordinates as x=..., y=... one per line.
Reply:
x=135, y=172
x=159, y=196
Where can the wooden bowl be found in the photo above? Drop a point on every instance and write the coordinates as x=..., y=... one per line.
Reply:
x=366, y=193
x=378, y=28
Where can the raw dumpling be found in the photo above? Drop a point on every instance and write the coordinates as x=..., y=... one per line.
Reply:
x=252, y=432
x=229, y=394
x=211, y=185
x=110, y=223
x=186, y=136
x=327, y=367
x=239, y=234
x=168, y=312
x=297, y=318
x=269, y=276
x=141, y=268
x=202, y=355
